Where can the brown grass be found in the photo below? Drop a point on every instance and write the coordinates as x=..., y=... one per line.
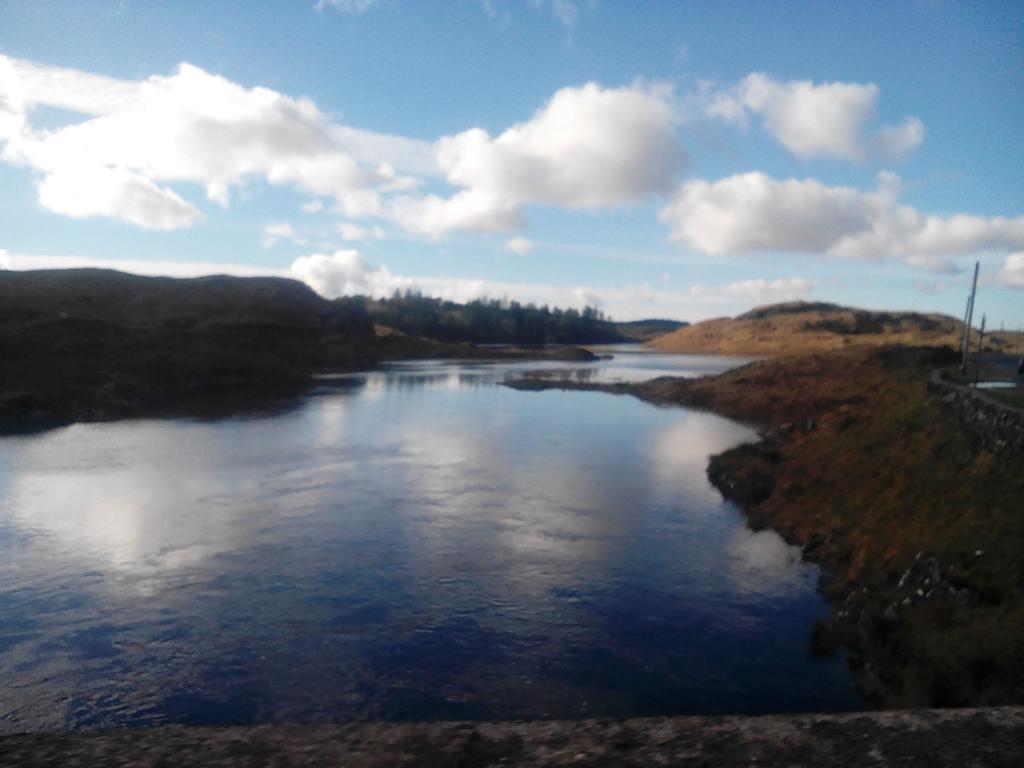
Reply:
x=800, y=328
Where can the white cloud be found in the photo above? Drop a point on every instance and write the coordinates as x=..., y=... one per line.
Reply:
x=360, y=203
x=313, y=206
x=349, y=231
x=5, y=259
x=587, y=148
x=388, y=154
x=757, y=291
x=752, y=212
x=275, y=232
x=1012, y=274
x=343, y=273
x=814, y=120
x=194, y=127
x=84, y=191
x=346, y=273
x=434, y=216
x=898, y=141
x=519, y=245
x=26, y=84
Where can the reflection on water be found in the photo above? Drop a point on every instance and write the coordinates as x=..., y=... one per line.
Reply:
x=411, y=543
x=996, y=384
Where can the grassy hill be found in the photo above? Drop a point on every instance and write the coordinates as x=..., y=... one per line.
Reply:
x=799, y=327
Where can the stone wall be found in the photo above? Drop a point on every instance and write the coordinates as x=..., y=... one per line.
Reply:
x=1000, y=427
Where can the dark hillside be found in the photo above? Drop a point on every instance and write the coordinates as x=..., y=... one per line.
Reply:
x=218, y=300
x=83, y=344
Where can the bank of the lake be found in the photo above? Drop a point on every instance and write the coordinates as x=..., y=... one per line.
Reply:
x=915, y=523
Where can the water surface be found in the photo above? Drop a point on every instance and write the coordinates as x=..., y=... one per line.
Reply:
x=413, y=543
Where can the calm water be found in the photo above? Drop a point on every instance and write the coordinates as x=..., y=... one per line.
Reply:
x=408, y=544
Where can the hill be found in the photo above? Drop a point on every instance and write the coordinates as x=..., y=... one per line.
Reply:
x=89, y=343
x=800, y=327
x=94, y=344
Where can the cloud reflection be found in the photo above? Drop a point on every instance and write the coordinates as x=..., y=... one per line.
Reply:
x=678, y=455
x=762, y=562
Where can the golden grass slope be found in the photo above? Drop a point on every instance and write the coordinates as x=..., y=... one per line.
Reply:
x=799, y=327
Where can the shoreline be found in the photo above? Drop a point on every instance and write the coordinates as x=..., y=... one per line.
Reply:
x=894, y=496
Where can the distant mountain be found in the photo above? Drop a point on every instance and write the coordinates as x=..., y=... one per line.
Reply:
x=809, y=327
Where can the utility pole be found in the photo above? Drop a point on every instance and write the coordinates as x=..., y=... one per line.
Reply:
x=977, y=356
x=963, y=341
x=970, y=317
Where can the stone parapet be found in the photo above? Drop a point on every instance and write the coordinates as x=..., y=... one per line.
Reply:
x=999, y=426
x=933, y=738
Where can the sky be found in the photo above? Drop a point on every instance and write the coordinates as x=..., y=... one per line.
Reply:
x=684, y=160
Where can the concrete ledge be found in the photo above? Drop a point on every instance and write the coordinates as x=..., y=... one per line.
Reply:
x=936, y=738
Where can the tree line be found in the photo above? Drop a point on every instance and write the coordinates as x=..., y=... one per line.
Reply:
x=492, y=321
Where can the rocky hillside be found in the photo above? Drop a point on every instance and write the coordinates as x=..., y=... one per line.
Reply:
x=799, y=327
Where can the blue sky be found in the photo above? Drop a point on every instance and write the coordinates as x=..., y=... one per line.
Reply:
x=673, y=159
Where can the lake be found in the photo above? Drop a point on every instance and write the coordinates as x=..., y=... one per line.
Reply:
x=417, y=542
